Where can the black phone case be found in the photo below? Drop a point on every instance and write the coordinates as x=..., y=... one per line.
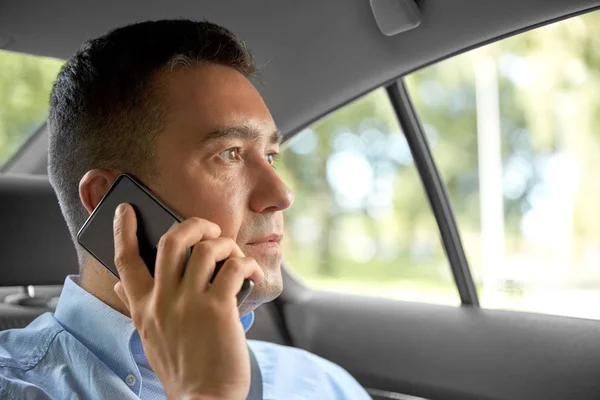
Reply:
x=154, y=219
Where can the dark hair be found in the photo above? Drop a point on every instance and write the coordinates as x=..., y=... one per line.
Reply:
x=106, y=100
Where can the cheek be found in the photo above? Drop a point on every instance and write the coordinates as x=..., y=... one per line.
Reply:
x=227, y=209
x=219, y=199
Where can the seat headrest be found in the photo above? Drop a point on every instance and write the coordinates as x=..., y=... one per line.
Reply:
x=35, y=244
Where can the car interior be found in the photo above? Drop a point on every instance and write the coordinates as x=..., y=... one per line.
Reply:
x=317, y=57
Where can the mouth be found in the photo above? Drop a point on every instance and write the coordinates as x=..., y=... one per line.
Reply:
x=271, y=241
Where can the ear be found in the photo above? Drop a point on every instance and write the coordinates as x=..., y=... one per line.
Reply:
x=94, y=185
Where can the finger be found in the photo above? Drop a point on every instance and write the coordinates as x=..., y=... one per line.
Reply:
x=133, y=272
x=229, y=281
x=203, y=260
x=173, y=246
x=120, y=291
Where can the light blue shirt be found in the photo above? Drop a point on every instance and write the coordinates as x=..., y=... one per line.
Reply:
x=87, y=350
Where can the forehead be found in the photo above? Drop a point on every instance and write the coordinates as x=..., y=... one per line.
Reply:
x=209, y=97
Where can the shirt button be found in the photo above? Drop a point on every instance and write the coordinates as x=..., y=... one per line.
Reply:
x=130, y=380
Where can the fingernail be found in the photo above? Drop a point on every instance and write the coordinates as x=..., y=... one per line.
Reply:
x=120, y=210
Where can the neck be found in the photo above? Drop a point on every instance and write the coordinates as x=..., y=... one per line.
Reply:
x=96, y=280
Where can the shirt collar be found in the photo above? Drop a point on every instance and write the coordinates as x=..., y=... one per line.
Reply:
x=247, y=321
x=103, y=330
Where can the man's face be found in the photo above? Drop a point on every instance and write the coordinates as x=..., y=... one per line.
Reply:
x=214, y=162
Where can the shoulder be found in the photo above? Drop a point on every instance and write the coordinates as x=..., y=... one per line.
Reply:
x=24, y=348
x=298, y=357
x=18, y=389
x=307, y=367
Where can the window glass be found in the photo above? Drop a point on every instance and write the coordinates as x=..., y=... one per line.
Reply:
x=25, y=84
x=361, y=222
x=515, y=130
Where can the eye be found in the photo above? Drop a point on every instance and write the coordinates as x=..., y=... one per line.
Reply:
x=231, y=155
x=272, y=157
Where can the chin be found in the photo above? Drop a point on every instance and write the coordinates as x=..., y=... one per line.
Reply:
x=267, y=290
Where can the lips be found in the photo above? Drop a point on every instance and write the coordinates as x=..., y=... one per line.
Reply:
x=272, y=239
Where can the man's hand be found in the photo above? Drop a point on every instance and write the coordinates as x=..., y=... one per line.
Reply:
x=190, y=329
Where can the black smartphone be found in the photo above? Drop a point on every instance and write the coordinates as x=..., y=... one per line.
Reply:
x=154, y=219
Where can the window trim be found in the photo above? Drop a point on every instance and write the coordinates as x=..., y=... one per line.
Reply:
x=436, y=191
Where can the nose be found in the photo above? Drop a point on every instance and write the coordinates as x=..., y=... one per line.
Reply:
x=270, y=193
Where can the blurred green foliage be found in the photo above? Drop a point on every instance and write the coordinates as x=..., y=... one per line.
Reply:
x=25, y=84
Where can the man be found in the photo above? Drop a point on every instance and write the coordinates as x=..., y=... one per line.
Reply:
x=169, y=102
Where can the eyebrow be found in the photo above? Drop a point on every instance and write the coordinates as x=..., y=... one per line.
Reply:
x=239, y=132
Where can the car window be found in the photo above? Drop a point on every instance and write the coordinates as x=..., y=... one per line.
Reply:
x=25, y=84
x=514, y=128
x=361, y=222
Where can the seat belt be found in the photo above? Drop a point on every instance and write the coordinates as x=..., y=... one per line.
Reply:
x=256, y=383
